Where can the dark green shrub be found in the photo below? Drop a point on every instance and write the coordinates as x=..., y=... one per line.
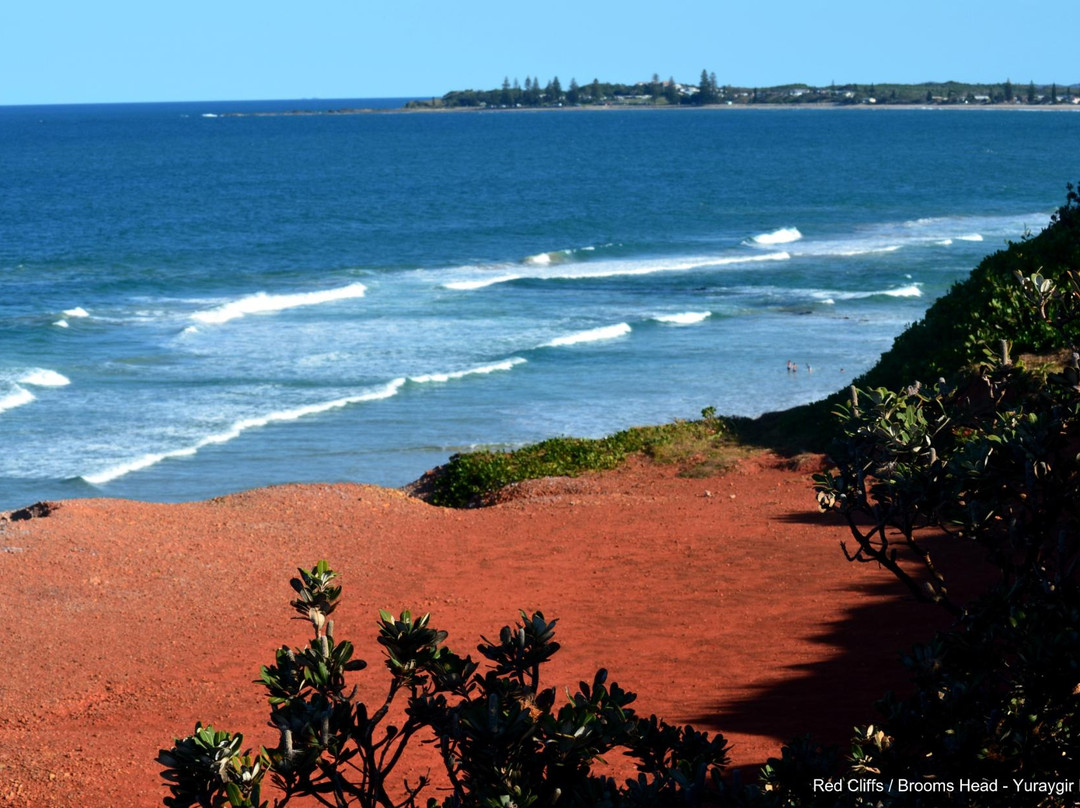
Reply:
x=502, y=739
x=991, y=459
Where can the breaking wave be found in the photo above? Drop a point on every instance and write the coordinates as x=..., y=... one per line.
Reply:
x=15, y=398
x=825, y=296
x=238, y=428
x=262, y=303
x=592, y=335
x=685, y=318
x=41, y=377
x=785, y=235
x=608, y=269
x=479, y=283
x=506, y=364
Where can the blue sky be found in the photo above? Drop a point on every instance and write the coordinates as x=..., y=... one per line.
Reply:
x=74, y=51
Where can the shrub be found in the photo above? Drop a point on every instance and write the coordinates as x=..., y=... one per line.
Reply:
x=990, y=459
x=501, y=738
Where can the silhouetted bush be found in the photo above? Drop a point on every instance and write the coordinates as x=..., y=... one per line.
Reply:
x=502, y=740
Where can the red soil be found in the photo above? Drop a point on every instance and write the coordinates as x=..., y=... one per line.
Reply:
x=723, y=602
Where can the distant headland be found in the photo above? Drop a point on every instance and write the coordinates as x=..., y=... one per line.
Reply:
x=657, y=93
x=709, y=92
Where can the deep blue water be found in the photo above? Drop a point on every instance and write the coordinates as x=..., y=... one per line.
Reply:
x=193, y=303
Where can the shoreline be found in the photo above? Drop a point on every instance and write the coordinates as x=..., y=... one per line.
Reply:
x=352, y=111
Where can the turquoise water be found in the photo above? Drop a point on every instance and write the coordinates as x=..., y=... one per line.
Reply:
x=192, y=304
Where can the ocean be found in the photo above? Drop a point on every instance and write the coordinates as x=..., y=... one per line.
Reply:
x=194, y=303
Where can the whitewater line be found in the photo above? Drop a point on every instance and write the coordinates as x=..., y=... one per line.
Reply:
x=262, y=303
x=238, y=428
x=506, y=364
x=386, y=391
x=592, y=335
x=611, y=269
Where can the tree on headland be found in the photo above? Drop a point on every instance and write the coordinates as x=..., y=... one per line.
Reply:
x=1008, y=91
x=706, y=93
x=554, y=91
x=574, y=92
x=671, y=91
x=532, y=91
x=655, y=87
x=1053, y=93
x=594, y=88
x=1031, y=92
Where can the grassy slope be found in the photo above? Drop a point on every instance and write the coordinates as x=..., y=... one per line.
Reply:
x=976, y=314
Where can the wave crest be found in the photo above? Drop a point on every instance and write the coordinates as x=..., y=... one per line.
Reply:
x=16, y=398
x=42, y=377
x=785, y=235
x=684, y=318
x=592, y=335
x=611, y=269
x=506, y=364
x=147, y=460
x=262, y=303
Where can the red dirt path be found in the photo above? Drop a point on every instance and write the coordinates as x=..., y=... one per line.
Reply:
x=722, y=602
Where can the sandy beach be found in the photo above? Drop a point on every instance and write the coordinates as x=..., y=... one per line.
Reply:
x=724, y=602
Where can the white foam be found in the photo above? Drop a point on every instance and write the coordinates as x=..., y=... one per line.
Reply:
x=829, y=297
x=592, y=335
x=611, y=269
x=262, y=303
x=685, y=318
x=16, y=398
x=78, y=311
x=61, y=324
x=147, y=460
x=42, y=377
x=506, y=364
x=785, y=235
x=866, y=250
x=479, y=283
x=940, y=231
x=904, y=291
x=543, y=259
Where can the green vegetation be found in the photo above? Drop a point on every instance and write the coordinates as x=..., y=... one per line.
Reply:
x=986, y=460
x=501, y=739
x=698, y=446
x=709, y=91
